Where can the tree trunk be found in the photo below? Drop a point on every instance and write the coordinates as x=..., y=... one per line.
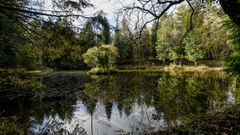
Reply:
x=232, y=9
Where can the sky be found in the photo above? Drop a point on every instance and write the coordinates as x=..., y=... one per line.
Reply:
x=109, y=7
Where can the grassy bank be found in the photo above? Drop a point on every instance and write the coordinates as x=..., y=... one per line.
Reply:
x=47, y=70
x=170, y=68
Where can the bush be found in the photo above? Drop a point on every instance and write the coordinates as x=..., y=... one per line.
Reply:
x=101, y=58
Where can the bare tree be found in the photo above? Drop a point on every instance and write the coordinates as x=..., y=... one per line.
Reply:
x=147, y=11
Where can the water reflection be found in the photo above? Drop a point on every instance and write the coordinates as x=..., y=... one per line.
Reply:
x=122, y=103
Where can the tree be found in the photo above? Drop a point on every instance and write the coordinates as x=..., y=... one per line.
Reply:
x=194, y=49
x=154, y=38
x=61, y=48
x=102, y=57
x=143, y=50
x=122, y=40
x=167, y=40
x=27, y=24
x=155, y=9
x=11, y=37
x=233, y=60
x=231, y=8
x=22, y=12
x=207, y=38
x=105, y=31
x=193, y=43
x=87, y=37
x=216, y=33
x=29, y=56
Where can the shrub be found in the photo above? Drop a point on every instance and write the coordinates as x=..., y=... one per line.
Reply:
x=102, y=57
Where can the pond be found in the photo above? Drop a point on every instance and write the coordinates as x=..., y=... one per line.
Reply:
x=124, y=103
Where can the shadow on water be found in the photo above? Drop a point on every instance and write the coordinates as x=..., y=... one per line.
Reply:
x=133, y=103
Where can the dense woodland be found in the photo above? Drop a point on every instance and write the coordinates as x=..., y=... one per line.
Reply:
x=55, y=42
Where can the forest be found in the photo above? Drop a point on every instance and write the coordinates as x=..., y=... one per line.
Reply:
x=152, y=56
x=57, y=44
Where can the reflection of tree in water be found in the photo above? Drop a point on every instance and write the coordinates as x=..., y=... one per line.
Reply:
x=137, y=97
x=61, y=110
x=31, y=114
x=175, y=98
x=236, y=88
x=58, y=100
x=184, y=97
x=128, y=92
x=123, y=89
x=108, y=109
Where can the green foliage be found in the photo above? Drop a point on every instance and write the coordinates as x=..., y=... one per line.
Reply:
x=232, y=61
x=167, y=43
x=64, y=56
x=143, y=50
x=214, y=34
x=11, y=37
x=207, y=39
x=102, y=57
x=122, y=40
x=29, y=56
x=87, y=37
x=106, y=31
x=154, y=38
x=63, y=51
x=194, y=50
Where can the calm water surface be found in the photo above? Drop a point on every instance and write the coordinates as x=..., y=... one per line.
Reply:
x=126, y=103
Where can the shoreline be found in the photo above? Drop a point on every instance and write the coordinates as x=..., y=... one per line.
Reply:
x=146, y=69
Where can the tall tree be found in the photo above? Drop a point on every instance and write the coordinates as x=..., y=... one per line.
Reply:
x=122, y=40
x=61, y=49
x=207, y=38
x=167, y=40
x=87, y=37
x=143, y=50
x=105, y=31
x=154, y=38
